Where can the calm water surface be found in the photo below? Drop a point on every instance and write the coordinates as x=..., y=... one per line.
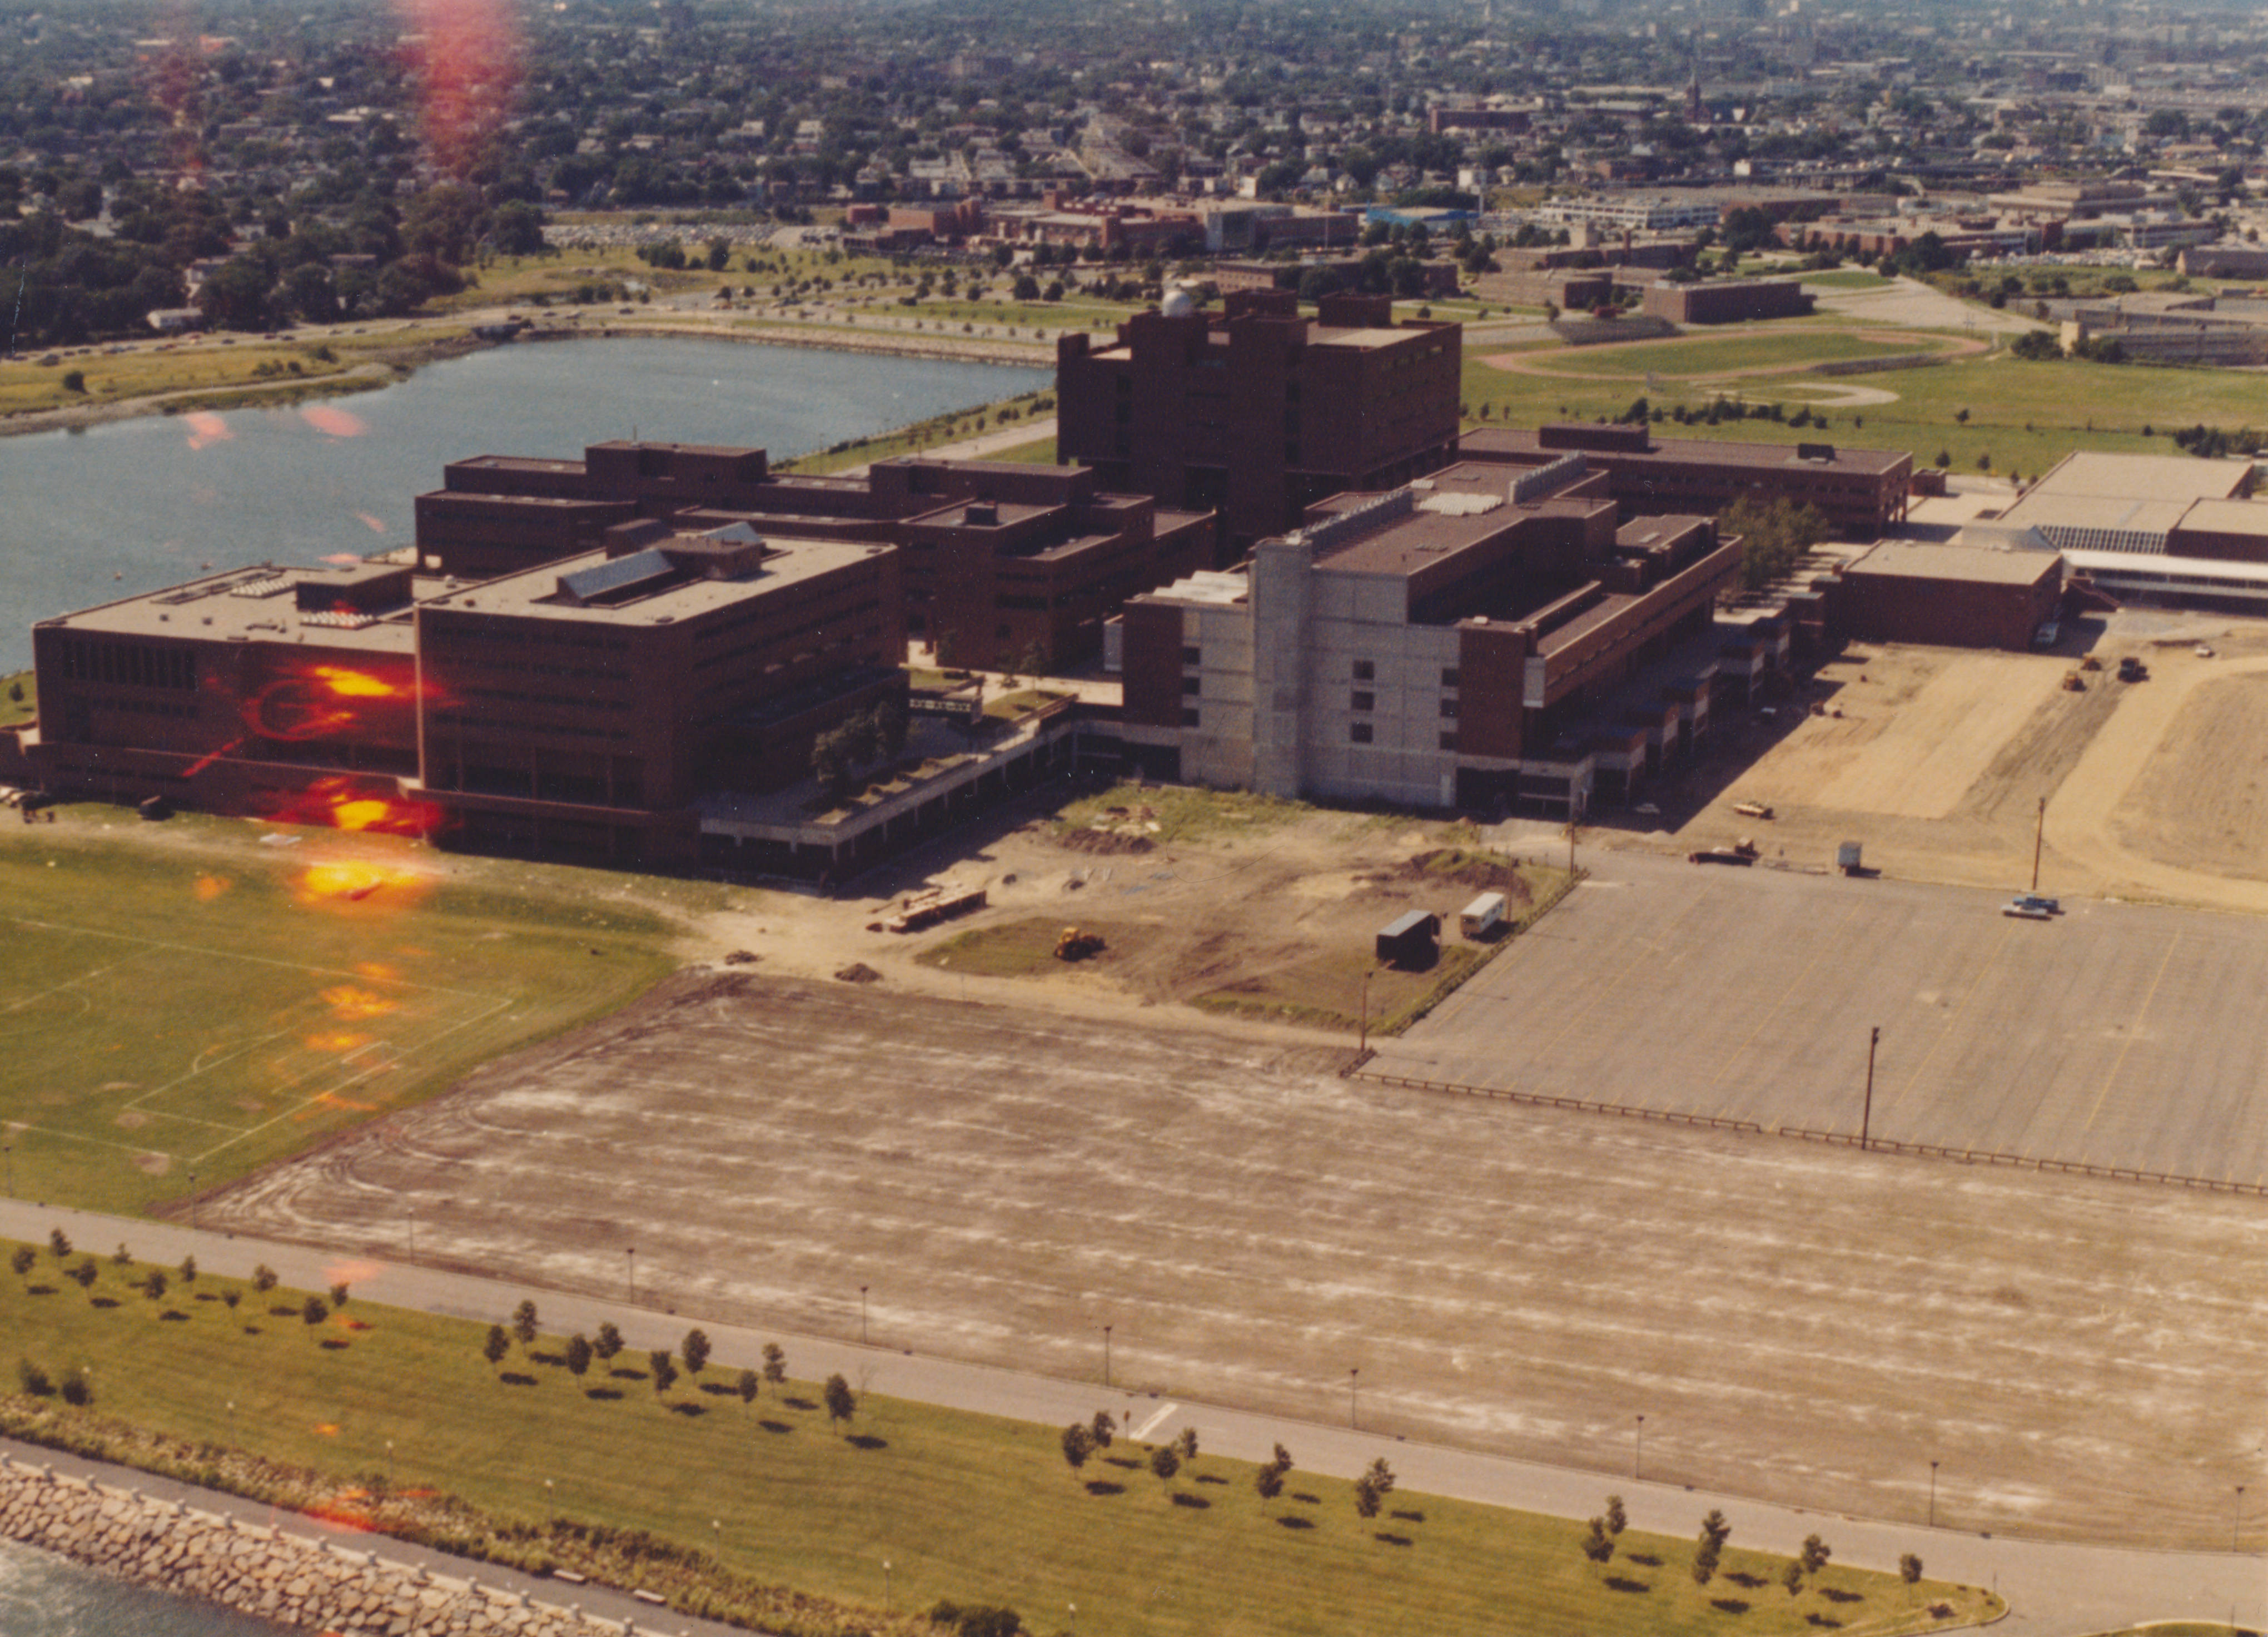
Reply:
x=49, y=1597
x=133, y=505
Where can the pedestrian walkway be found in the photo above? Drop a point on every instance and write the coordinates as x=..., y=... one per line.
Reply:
x=2055, y=1590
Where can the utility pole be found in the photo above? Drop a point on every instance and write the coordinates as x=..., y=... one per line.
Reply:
x=1866, y=1118
x=2039, y=831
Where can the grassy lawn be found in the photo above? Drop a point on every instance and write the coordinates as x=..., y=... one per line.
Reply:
x=970, y=1507
x=1849, y=279
x=1733, y=355
x=1328, y=992
x=210, y=363
x=2025, y=417
x=169, y=1008
x=14, y=709
x=1039, y=452
x=1171, y=813
x=950, y=427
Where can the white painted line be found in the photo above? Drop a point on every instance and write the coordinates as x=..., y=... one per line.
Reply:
x=1154, y=1422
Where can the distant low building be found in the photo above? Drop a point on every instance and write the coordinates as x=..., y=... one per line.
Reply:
x=1725, y=301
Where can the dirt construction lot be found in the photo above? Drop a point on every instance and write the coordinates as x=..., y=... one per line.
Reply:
x=1792, y=1321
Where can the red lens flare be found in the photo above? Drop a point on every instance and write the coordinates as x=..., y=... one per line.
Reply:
x=206, y=429
x=466, y=55
x=334, y=422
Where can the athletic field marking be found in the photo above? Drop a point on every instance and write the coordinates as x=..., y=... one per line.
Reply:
x=69, y=983
x=256, y=960
x=2117, y=1063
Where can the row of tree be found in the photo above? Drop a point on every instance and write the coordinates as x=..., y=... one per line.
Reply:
x=1605, y=1530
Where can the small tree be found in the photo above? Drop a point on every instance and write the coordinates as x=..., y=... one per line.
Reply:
x=1186, y=1446
x=78, y=1386
x=842, y=1403
x=189, y=1270
x=750, y=1385
x=154, y=1286
x=339, y=1295
x=1165, y=1461
x=122, y=1256
x=1617, y=1520
x=1715, y=1530
x=695, y=1350
x=1599, y=1545
x=1704, y=1563
x=263, y=1279
x=1372, y=1488
x=1816, y=1553
x=59, y=1243
x=524, y=1329
x=496, y=1345
x=1078, y=1444
x=775, y=1365
x=84, y=1274
x=664, y=1370
x=1792, y=1576
x=1909, y=1569
x=314, y=1313
x=609, y=1342
x=578, y=1354
x=1269, y=1480
x=22, y=1261
x=1102, y=1429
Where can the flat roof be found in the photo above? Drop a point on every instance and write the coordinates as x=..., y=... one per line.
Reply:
x=2089, y=475
x=1921, y=559
x=1416, y=540
x=2228, y=517
x=534, y=593
x=1691, y=450
x=258, y=604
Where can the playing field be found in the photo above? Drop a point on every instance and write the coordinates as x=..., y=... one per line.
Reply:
x=171, y=1018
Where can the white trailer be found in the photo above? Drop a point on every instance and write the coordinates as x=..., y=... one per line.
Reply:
x=1482, y=917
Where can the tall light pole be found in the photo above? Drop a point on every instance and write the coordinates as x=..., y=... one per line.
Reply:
x=630, y=1272
x=886, y=1585
x=1932, y=1494
x=1106, y=1355
x=1867, y=1116
x=2236, y=1521
x=1350, y=1376
x=1364, y=1044
x=862, y=1315
x=2039, y=831
x=1637, y=1451
x=193, y=1202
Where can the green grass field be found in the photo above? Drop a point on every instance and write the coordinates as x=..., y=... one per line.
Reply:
x=966, y=1507
x=171, y=1010
x=2025, y=417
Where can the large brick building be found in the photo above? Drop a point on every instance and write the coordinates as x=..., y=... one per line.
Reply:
x=1433, y=645
x=575, y=709
x=1862, y=492
x=1258, y=412
x=1011, y=563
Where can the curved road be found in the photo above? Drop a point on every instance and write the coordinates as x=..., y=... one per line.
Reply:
x=2053, y=1590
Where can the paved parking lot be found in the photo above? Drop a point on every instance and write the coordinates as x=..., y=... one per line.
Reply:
x=2117, y=1036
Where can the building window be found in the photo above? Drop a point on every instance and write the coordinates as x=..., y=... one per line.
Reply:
x=1192, y=656
x=1189, y=717
x=1448, y=710
x=1358, y=733
x=1363, y=701
x=1192, y=684
x=1449, y=676
x=1448, y=741
x=1364, y=671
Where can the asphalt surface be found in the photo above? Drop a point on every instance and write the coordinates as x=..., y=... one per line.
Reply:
x=2053, y=1590
x=2115, y=1036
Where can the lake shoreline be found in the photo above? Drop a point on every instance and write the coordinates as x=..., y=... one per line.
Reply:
x=416, y=351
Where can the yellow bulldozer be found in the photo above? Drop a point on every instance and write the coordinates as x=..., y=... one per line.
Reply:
x=1075, y=945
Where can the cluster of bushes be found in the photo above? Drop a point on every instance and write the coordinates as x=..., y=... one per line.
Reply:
x=2212, y=443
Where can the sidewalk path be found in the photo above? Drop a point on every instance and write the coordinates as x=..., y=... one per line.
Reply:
x=2055, y=1590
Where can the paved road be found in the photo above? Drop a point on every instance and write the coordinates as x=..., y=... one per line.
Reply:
x=2055, y=1590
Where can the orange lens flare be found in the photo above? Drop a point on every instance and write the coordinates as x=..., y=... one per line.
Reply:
x=337, y=1042
x=356, y=684
x=209, y=888
x=334, y=422
x=206, y=429
x=341, y=803
x=334, y=882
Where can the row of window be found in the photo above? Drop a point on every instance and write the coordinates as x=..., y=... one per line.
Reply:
x=1360, y=734
x=128, y=664
x=1364, y=671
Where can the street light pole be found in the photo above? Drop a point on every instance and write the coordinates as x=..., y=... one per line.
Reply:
x=1106, y=1355
x=1350, y=1376
x=886, y=1585
x=193, y=1202
x=2039, y=831
x=1637, y=1452
x=2236, y=1522
x=1363, y=1045
x=630, y=1272
x=862, y=1315
x=1932, y=1494
x=1867, y=1116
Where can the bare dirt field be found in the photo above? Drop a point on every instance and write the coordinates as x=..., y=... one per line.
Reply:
x=1940, y=757
x=1793, y=1321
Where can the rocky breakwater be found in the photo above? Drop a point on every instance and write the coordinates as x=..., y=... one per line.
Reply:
x=315, y=1585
